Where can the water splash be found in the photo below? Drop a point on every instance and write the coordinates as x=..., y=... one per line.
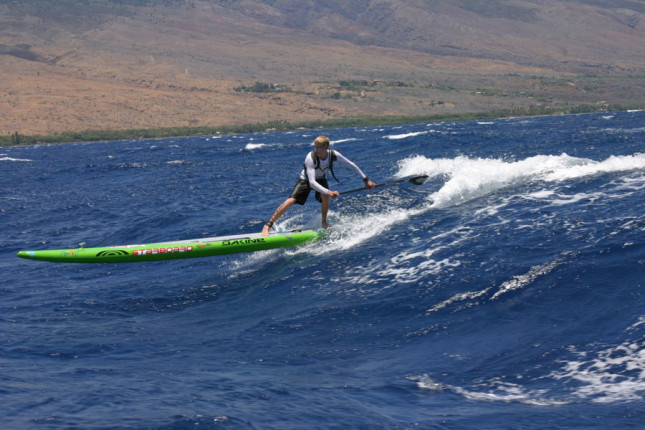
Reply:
x=471, y=178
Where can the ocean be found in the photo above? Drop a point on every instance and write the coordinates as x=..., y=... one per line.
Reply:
x=503, y=293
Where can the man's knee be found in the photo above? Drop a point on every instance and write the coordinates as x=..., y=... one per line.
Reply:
x=287, y=204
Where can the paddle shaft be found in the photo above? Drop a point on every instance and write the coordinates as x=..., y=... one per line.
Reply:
x=416, y=180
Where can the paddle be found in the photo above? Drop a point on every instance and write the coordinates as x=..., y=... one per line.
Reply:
x=416, y=180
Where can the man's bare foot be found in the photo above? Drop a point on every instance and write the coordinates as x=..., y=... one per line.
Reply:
x=265, y=230
x=325, y=225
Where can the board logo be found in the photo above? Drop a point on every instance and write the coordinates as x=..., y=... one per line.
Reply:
x=112, y=253
x=168, y=250
x=242, y=241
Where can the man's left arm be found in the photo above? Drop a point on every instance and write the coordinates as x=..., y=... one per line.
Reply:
x=354, y=167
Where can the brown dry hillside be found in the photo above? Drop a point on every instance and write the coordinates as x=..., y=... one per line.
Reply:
x=121, y=64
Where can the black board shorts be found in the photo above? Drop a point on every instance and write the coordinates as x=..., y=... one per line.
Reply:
x=302, y=189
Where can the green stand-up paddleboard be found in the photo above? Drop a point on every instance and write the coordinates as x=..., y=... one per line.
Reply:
x=192, y=248
x=205, y=247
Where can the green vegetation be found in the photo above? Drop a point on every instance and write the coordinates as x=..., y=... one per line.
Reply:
x=355, y=84
x=345, y=87
x=112, y=135
x=488, y=92
x=262, y=87
x=361, y=84
x=15, y=139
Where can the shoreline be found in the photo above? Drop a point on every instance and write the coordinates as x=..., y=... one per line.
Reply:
x=17, y=139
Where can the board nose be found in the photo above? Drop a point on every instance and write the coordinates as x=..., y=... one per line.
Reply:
x=26, y=254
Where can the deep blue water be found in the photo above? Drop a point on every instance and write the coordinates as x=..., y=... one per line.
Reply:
x=504, y=293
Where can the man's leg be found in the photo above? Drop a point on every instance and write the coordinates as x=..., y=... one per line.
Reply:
x=279, y=212
x=324, y=208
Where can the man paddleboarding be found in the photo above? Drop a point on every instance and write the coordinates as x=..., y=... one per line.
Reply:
x=314, y=176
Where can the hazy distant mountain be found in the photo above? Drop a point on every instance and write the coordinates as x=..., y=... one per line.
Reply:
x=561, y=34
x=185, y=57
x=555, y=33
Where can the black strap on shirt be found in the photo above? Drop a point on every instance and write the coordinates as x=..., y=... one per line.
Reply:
x=332, y=157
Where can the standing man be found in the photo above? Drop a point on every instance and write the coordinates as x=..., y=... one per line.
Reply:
x=314, y=176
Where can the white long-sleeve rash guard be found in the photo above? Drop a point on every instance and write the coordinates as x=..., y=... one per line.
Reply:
x=311, y=173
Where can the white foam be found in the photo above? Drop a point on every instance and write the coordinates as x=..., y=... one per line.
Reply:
x=466, y=178
x=577, y=168
x=517, y=282
x=619, y=130
x=351, y=139
x=632, y=183
x=22, y=160
x=470, y=178
x=407, y=267
x=640, y=322
x=406, y=135
x=354, y=230
x=524, y=280
x=496, y=390
x=614, y=374
x=611, y=374
x=469, y=295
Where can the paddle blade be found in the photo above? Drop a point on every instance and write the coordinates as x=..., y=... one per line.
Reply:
x=418, y=180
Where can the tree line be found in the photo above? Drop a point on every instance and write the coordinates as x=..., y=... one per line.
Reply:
x=280, y=125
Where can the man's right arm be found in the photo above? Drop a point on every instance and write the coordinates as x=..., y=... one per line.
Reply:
x=310, y=173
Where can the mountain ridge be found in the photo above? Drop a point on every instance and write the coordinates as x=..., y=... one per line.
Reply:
x=116, y=64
